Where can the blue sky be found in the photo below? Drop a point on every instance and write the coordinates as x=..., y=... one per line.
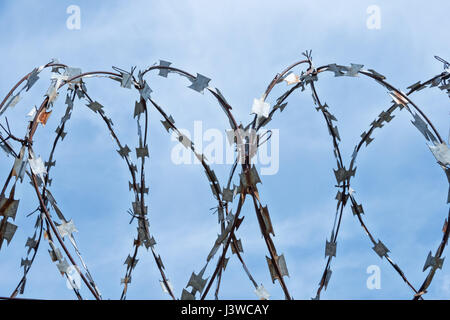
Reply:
x=240, y=46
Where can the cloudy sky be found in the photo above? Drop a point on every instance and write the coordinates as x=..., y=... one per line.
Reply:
x=241, y=46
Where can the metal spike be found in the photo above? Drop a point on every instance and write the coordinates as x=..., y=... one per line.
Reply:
x=266, y=219
x=434, y=262
x=281, y=264
x=225, y=263
x=146, y=91
x=262, y=293
x=32, y=78
x=31, y=244
x=50, y=164
x=342, y=174
x=227, y=194
x=327, y=278
x=168, y=124
x=442, y=153
x=138, y=108
x=197, y=282
x=321, y=107
x=13, y=101
x=25, y=263
x=19, y=167
x=130, y=262
x=338, y=70
x=150, y=242
x=7, y=233
x=380, y=249
x=124, y=151
x=260, y=107
x=126, y=80
x=238, y=244
x=422, y=127
x=186, y=295
x=164, y=287
x=386, y=116
x=71, y=73
x=281, y=106
x=63, y=266
x=199, y=83
x=68, y=102
x=414, y=86
x=357, y=210
x=164, y=72
x=67, y=228
x=137, y=208
x=61, y=133
x=330, y=249
x=213, y=251
x=354, y=69
x=142, y=152
x=254, y=176
x=8, y=207
x=94, y=106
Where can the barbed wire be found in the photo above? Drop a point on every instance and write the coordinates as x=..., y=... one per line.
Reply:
x=246, y=142
x=343, y=176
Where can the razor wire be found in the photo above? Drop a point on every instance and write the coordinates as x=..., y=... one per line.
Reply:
x=246, y=141
x=123, y=151
x=342, y=175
